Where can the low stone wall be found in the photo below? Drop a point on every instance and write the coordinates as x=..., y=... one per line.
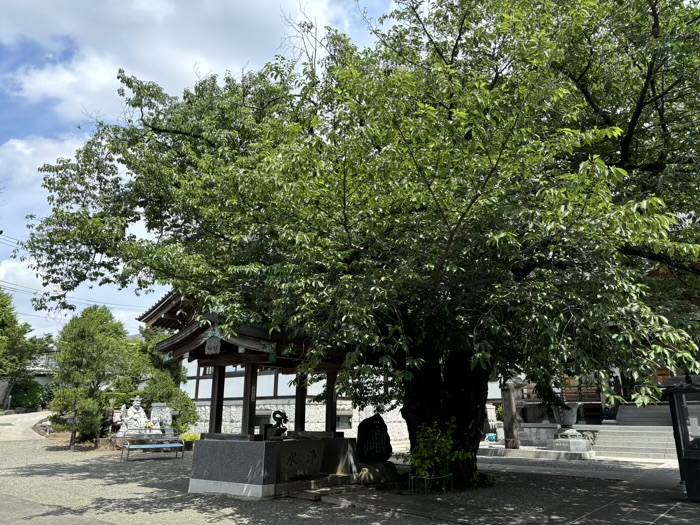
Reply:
x=536, y=434
x=315, y=418
x=539, y=433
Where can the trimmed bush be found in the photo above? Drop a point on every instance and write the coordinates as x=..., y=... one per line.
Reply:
x=28, y=394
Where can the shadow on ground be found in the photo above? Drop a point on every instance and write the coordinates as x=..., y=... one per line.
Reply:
x=156, y=484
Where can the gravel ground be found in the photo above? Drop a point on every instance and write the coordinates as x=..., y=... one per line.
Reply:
x=153, y=491
x=149, y=491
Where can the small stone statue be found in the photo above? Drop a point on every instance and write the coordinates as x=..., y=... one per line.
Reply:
x=280, y=419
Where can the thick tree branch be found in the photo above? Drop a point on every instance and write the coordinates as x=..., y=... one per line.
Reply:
x=649, y=254
x=460, y=32
x=626, y=142
x=588, y=96
x=429, y=36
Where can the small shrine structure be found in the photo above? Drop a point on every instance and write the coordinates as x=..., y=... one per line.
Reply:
x=249, y=463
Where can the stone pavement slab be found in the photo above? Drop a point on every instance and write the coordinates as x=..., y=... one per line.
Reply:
x=16, y=511
x=633, y=496
x=624, y=505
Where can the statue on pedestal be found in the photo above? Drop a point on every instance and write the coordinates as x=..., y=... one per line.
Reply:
x=134, y=420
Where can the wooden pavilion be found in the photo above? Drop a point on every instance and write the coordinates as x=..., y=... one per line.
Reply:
x=252, y=348
x=250, y=464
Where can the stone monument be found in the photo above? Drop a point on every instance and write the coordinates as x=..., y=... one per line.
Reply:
x=373, y=442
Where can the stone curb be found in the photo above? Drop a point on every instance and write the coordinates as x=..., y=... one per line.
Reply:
x=535, y=454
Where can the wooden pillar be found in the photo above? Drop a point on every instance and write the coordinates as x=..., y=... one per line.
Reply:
x=510, y=423
x=300, y=403
x=216, y=407
x=331, y=408
x=250, y=386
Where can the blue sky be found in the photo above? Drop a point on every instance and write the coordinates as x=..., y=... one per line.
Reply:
x=58, y=67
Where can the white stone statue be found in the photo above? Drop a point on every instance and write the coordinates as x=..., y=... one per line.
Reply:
x=135, y=420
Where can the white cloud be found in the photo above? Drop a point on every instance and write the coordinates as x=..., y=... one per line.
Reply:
x=164, y=41
x=22, y=193
x=170, y=42
x=86, y=86
x=21, y=282
x=20, y=159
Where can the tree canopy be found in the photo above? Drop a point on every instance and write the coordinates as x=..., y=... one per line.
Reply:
x=492, y=188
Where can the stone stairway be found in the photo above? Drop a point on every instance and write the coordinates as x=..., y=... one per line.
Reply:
x=654, y=415
x=648, y=442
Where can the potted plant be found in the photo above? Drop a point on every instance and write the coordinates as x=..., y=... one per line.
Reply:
x=189, y=438
x=433, y=456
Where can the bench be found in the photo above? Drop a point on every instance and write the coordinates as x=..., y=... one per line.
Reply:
x=161, y=440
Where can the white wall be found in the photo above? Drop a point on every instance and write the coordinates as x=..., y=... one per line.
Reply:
x=315, y=418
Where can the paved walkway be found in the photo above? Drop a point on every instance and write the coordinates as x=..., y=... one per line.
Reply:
x=44, y=484
x=651, y=496
x=18, y=427
x=17, y=511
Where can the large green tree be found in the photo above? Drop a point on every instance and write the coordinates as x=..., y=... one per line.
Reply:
x=17, y=351
x=484, y=191
x=93, y=353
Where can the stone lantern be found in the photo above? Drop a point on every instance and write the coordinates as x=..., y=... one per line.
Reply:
x=567, y=438
x=684, y=401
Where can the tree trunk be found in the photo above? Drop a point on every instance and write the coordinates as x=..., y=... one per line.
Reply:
x=510, y=417
x=8, y=393
x=466, y=392
x=449, y=392
x=423, y=400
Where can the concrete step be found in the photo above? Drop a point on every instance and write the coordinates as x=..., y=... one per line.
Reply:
x=634, y=436
x=652, y=442
x=634, y=454
x=636, y=422
x=646, y=416
x=634, y=409
x=645, y=421
x=645, y=444
x=635, y=430
x=623, y=448
x=627, y=427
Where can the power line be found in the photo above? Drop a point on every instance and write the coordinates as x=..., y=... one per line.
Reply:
x=46, y=317
x=11, y=238
x=27, y=290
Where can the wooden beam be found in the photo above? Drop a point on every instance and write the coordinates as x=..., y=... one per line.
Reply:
x=233, y=359
x=250, y=386
x=328, y=367
x=300, y=403
x=331, y=408
x=216, y=410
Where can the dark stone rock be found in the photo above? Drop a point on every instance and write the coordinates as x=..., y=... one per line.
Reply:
x=373, y=442
x=379, y=472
